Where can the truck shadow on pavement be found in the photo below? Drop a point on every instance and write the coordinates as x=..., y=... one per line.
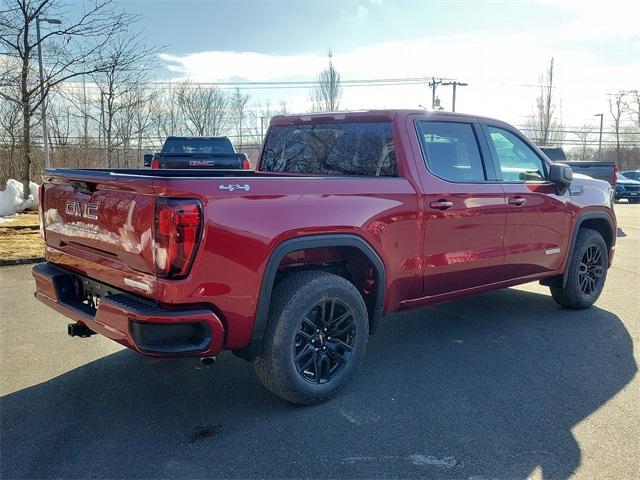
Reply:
x=488, y=386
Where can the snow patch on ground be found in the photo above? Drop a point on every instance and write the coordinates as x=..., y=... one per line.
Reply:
x=11, y=201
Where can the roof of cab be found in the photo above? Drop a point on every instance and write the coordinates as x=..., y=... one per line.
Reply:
x=375, y=115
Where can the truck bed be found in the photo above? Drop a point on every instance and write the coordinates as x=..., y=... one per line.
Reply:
x=146, y=172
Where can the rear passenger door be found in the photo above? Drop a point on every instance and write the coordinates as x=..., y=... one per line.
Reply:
x=538, y=220
x=464, y=208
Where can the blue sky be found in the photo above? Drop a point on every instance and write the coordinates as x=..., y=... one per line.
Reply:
x=282, y=27
x=500, y=48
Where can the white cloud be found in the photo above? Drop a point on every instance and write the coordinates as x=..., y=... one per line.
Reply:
x=502, y=72
x=598, y=20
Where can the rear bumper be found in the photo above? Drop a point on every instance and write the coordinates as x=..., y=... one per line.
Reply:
x=129, y=320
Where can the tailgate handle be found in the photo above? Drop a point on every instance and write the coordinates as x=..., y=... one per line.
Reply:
x=84, y=187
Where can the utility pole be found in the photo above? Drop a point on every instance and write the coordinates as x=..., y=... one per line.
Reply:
x=43, y=99
x=107, y=159
x=455, y=84
x=434, y=84
x=86, y=121
x=600, y=141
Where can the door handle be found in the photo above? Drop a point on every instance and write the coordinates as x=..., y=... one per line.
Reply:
x=517, y=201
x=441, y=204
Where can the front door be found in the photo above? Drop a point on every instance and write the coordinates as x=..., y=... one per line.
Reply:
x=464, y=209
x=538, y=220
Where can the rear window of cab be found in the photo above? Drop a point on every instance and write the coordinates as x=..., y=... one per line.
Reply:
x=358, y=149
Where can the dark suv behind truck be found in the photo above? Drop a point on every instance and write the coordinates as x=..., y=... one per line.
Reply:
x=348, y=217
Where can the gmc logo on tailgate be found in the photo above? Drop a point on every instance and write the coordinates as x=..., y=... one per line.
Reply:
x=83, y=210
x=202, y=163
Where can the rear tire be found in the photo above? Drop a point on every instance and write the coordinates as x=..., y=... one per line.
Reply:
x=587, y=271
x=316, y=337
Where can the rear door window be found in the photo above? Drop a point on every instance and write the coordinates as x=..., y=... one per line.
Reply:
x=451, y=151
x=364, y=149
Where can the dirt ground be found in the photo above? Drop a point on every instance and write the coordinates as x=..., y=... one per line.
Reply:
x=20, y=237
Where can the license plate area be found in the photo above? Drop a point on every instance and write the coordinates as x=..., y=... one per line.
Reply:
x=85, y=294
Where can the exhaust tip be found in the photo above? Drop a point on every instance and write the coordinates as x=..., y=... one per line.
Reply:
x=207, y=361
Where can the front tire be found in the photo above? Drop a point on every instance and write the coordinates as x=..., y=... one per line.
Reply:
x=587, y=271
x=316, y=337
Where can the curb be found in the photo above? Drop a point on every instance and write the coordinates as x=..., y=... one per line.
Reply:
x=20, y=261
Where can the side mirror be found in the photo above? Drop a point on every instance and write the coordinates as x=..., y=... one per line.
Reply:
x=146, y=159
x=561, y=175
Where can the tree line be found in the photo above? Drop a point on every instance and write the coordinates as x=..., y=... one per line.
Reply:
x=105, y=107
x=621, y=143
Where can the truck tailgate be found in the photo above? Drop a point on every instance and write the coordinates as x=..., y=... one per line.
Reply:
x=101, y=226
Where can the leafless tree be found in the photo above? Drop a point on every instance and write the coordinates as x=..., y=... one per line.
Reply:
x=326, y=94
x=284, y=108
x=204, y=108
x=167, y=114
x=127, y=62
x=143, y=118
x=617, y=109
x=69, y=49
x=545, y=128
x=239, y=103
x=10, y=133
x=633, y=106
x=584, y=135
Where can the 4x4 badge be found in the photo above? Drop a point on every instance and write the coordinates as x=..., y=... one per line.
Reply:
x=231, y=188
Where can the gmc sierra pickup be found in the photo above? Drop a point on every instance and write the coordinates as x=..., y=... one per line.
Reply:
x=198, y=152
x=348, y=217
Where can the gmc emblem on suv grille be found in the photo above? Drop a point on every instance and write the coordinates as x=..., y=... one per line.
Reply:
x=83, y=210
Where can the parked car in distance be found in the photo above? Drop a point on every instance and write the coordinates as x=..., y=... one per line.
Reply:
x=600, y=170
x=199, y=152
x=631, y=174
x=627, y=189
x=348, y=217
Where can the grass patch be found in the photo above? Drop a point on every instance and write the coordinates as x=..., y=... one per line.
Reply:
x=20, y=237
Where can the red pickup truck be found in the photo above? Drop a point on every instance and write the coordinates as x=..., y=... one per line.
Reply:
x=348, y=217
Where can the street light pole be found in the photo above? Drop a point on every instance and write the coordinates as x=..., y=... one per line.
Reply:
x=600, y=141
x=43, y=99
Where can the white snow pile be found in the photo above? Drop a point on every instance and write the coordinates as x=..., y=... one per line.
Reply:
x=11, y=201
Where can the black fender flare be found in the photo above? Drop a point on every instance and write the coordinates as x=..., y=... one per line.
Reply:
x=301, y=243
x=574, y=235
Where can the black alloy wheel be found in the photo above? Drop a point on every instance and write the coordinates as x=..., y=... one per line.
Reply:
x=586, y=271
x=590, y=270
x=324, y=341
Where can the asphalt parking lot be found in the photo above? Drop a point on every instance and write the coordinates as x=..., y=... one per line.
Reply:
x=500, y=385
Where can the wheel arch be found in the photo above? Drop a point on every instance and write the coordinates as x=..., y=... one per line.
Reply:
x=308, y=243
x=598, y=221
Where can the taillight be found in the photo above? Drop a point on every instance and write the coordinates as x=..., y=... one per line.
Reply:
x=178, y=229
x=615, y=174
x=245, y=164
x=155, y=163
